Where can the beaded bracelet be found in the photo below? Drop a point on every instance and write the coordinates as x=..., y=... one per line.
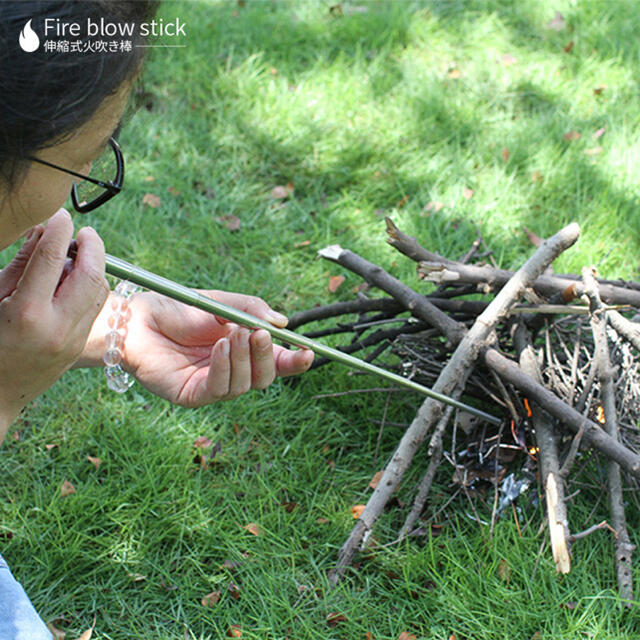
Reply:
x=117, y=378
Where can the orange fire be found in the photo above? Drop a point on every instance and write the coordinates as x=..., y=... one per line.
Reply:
x=600, y=415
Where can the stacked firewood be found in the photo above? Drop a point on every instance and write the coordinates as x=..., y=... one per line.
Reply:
x=556, y=355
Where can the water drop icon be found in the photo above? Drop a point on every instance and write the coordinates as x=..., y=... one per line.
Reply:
x=29, y=40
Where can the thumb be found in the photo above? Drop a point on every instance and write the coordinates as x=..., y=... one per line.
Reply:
x=11, y=274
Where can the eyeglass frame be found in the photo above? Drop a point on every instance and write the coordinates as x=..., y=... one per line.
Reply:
x=112, y=187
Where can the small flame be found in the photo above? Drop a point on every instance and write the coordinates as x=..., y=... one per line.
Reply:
x=533, y=450
x=29, y=40
x=600, y=415
x=527, y=407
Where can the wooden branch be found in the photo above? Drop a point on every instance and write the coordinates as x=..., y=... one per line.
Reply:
x=623, y=546
x=545, y=286
x=427, y=479
x=548, y=458
x=611, y=291
x=341, y=308
x=453, y=375
x=625, y=328
x=473, y=307
x=417, y=304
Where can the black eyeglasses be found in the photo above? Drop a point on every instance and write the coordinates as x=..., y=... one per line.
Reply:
x=92, y=192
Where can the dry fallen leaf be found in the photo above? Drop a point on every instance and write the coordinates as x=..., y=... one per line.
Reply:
x=454, y=74
x=137, y=577
x=536, y=176
x=289, y=506
x=96, y=462
x=67, y=489
x=57, y=634
x=235, y=631
x=356, y=510
x=253, y=528
x=534, y=239
x=335, y=282
x=280, y=192
x=304, y=243
x=599, y=89
x=202, y=441
x=567, y=48
x=571, y=135
x=376, y=478
x=599, y=133
x=504, y=570
x=467, y=193
x=557, y=23
x=335, y=618
x=234, y=590
x=405, y=635
x=151, y=200
x=48, y=447
x=16, y=436
x=369, y=636
x=402, y=201
x=87, y=634
x=433, y=206
x=322, y=520
x=505, y=154
x=231, y=222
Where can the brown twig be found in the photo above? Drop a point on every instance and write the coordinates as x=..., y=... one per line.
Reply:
x=623, y=546
x=550, y=477
x=611, y=291
x=427, y=479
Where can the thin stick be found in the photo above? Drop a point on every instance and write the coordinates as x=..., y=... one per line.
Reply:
x=548, y=458
x=623, y=546
x=427, y=479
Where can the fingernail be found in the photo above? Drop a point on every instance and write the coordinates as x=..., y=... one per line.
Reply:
x=225, y=347
x=263, y=340
x=277, y=318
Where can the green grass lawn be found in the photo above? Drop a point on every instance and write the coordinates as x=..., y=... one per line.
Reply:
x=378, y=111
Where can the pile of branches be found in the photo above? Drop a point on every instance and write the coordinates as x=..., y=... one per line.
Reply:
x=551, y=355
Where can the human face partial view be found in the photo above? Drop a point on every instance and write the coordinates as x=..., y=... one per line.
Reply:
x=43, y=190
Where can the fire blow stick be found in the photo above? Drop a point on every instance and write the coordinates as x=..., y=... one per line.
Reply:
x=126, y=271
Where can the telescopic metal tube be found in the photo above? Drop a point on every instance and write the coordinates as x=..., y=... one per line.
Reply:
x=124, y=270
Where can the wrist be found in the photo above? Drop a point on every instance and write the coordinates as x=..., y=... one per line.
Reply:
x=93, y=351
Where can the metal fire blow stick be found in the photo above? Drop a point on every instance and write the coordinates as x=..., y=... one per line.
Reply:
x=126, y=271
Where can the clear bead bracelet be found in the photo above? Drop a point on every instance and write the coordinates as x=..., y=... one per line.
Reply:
x=117, y=378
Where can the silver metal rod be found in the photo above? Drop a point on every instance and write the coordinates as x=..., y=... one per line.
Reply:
x=124, y=270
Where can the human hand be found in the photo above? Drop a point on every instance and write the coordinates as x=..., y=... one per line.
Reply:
x=47, y=308
x=193, y=358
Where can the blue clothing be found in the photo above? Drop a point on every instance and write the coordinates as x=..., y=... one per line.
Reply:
x=18, y=618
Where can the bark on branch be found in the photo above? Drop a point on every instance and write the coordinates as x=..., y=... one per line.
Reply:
x=623, y=546
x=548, y=459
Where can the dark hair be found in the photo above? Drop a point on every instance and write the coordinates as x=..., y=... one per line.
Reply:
x=45, y=95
